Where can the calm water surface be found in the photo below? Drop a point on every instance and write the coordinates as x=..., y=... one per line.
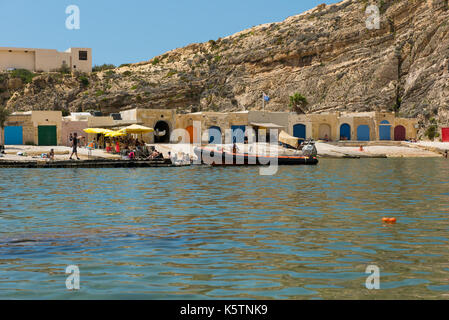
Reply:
x=218, y=233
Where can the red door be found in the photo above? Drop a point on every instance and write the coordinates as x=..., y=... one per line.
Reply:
x=399, y=133
x=445, y=134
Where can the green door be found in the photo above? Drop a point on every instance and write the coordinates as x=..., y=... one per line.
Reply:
x=47, y=136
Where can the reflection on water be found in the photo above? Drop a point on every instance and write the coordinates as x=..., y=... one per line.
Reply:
x=218, y=233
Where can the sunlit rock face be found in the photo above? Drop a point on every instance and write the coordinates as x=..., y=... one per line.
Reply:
x=330, y=54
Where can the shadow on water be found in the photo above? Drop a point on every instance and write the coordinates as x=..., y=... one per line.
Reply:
x=202, y=232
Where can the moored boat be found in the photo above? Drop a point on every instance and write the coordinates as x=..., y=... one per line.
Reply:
x=221, y=157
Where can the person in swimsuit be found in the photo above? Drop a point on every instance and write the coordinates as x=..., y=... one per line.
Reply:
x=51, y=155
x=75, y=146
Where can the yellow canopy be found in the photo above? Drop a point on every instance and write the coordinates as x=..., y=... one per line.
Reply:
x=284, y=137
x=135, y=128
x=97, y=130
x=115, y=134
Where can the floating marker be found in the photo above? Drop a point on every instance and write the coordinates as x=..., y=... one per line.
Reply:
x=389, y=220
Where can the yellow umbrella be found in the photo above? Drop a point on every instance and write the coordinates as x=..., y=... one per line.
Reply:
x=115, y=134
x=97, y=130
x=92, y=130
x=135, y=128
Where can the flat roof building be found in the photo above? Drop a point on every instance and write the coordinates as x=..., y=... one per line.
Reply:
x=46, y=60
x=41, y=128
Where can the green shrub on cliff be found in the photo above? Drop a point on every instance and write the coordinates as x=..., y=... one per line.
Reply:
x=432, y=133
x=84, y=81
x=3, y=77
x=25, y=75
x=432, y=130
x=103, y=67
x=65, y=69
x=298, y=103
x=171, y=73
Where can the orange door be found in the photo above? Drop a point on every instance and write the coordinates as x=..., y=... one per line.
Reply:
x=189, y=130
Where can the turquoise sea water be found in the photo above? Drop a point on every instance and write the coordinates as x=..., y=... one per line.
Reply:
x=308, y=232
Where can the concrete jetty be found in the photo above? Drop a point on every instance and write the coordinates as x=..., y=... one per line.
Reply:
x=97, y=163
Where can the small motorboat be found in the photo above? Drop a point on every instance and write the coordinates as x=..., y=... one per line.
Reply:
x=221, y=157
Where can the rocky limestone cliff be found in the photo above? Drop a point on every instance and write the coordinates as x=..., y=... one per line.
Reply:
x=327, y=54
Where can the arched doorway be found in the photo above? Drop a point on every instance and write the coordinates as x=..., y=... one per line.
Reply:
x=215, y=135
x=161, y=132
x=345, y=132
x=385, y=130
x=325, y=132
x=363, y=133
x=189, y=132
x=299, y=131
x=238, y=134
x=399, y=133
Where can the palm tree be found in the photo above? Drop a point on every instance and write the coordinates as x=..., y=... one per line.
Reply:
x=4, y=114
x=298, y=103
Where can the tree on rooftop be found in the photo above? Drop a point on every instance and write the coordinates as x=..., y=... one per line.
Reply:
x=298, y=103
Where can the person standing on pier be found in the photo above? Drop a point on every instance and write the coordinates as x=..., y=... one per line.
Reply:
x=75, y=146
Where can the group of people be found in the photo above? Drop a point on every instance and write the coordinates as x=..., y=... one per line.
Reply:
x=131, y=148
x=142, y=152
x=121, y=145
x=125, y=146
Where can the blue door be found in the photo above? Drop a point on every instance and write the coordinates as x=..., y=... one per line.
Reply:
x=13, y=135
x=345, y=132
x=363, y=133
x=214, y=135
x=238, y=134
x=385, y=130
x=299, y=131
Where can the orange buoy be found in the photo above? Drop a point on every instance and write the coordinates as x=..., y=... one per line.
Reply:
x=389, y=220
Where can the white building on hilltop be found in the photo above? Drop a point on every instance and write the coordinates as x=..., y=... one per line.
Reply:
x=46, y=60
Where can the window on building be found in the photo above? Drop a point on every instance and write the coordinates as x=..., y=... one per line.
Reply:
x=83, y=55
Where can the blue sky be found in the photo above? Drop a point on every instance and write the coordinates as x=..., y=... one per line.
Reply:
x=135, y=30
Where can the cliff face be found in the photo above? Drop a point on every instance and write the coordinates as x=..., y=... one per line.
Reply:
x=327, y=54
